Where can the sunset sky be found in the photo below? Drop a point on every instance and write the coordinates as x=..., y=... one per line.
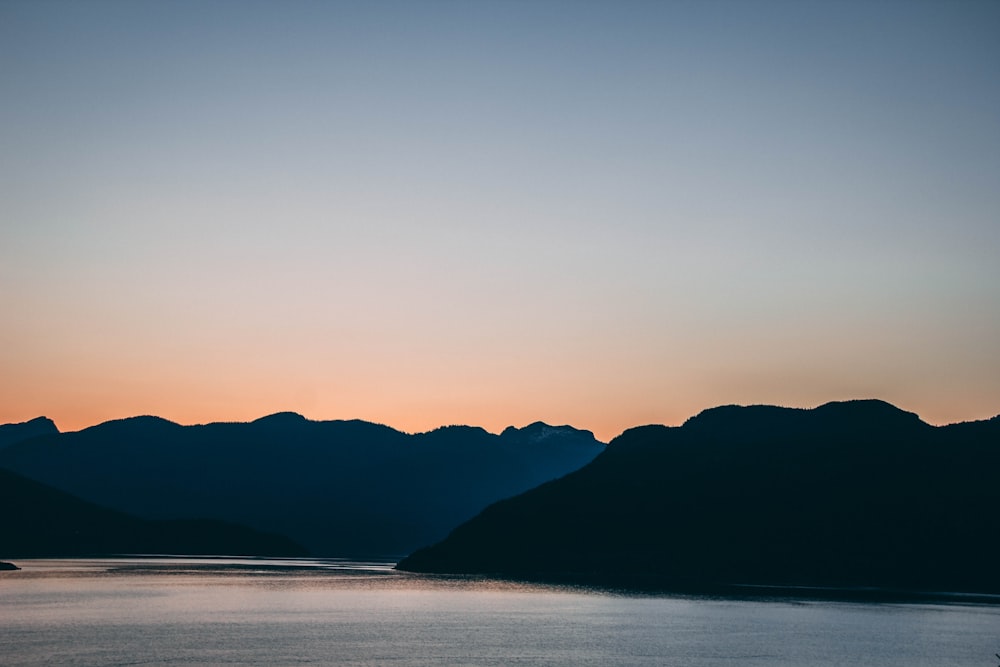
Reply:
x=602, y=214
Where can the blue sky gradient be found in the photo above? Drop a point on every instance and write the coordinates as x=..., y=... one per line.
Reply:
x=425, y=213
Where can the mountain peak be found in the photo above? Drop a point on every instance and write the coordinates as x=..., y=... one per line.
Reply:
x=743, y=417
x=11, y=433
x=540, y=431
x=40, y=423
x=853, y=414
x=870, y=411
x=142, y=421
x=281, y=419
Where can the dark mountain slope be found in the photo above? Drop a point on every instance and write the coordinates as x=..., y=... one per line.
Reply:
x=848, y=494
x=341, y=488
x=12, y=433
x=42, y=521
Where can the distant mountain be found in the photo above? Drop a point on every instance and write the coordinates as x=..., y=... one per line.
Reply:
x=41, y=521
x=12, y=433
x=341, y=488
x=853, y=494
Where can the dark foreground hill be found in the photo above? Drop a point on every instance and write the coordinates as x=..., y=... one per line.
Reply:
x=855, y=494
x=41, y=521
x=340, y=488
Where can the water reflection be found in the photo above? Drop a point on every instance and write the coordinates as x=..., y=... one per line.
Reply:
x=250, y=611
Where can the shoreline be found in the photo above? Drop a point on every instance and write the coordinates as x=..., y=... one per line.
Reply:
x=654, y=586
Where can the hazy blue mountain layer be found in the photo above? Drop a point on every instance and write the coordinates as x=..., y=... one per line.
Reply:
x=340, y=488
x=848, y=494
x=42, y=521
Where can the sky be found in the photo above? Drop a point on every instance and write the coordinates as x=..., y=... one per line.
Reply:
x=603, y=214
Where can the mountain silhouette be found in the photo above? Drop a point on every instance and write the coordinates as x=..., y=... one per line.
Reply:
x=849, y=494
x=42, y=521
x=12, y=433
x=340, y=488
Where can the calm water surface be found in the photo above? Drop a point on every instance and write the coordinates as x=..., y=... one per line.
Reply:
x=267, y=612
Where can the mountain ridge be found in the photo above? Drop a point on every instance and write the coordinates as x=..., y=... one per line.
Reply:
x=341, y=487
x=846, y=494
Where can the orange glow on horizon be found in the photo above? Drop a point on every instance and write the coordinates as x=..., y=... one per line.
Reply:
x=420, y=418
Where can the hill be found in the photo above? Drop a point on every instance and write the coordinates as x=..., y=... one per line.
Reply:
x=854, y=494
x=13, y=433
x=340, y=488
x=42, y=521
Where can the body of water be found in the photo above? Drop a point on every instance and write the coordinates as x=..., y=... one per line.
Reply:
x=173, y=611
